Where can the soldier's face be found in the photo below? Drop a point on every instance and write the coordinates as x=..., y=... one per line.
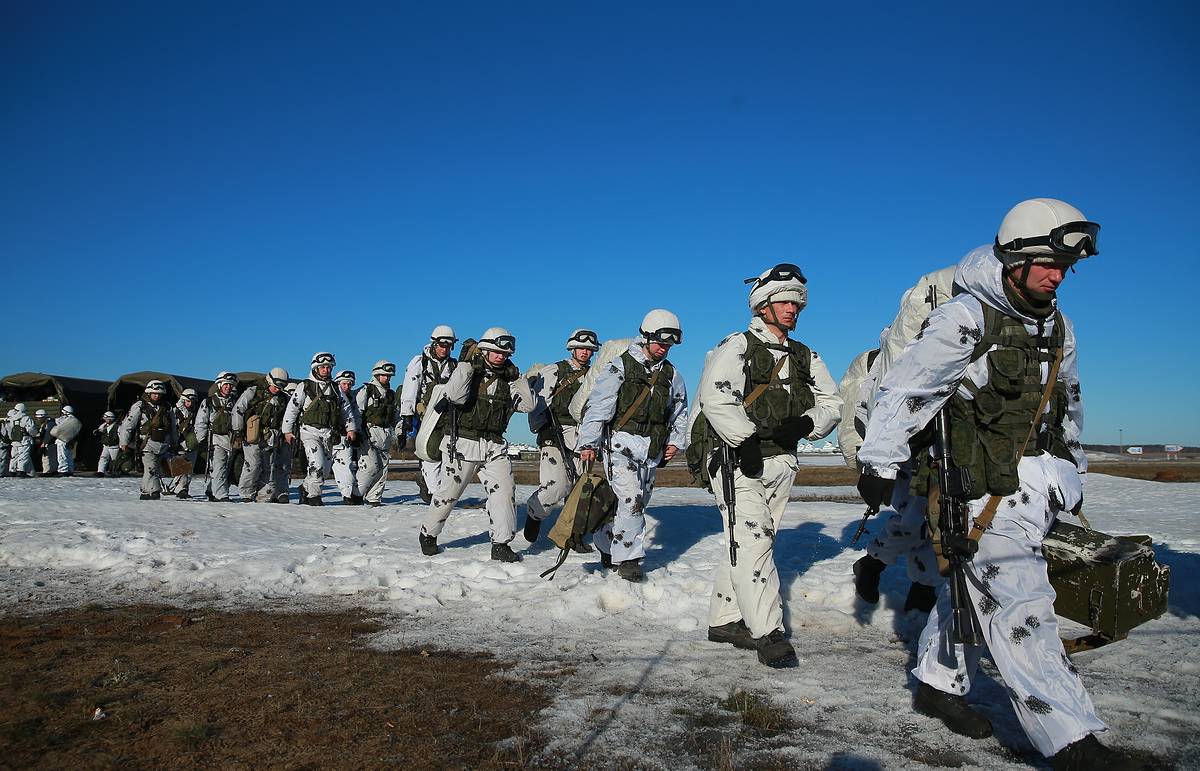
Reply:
x=442, y=349
x=496, y=358
x=583, y=355
x=657, y=351
x=345, y=385
x=1046, y=278
x=155, y=397
x=323, y=371
x=782, y=314
x=225, y=388
x=272, y=390
x=384, y=380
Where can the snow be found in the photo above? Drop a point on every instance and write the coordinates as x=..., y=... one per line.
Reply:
x=626, y=662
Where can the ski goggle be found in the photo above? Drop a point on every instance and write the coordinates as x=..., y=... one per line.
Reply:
x=345, y=375
x=506, y=343
x=664, y=336
x=386, y=369
x=585, y=336
x=323, y=360
x=1082, y=245
x=447, y=342
x=784, y=271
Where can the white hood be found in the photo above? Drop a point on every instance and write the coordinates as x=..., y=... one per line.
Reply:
x=981, y=274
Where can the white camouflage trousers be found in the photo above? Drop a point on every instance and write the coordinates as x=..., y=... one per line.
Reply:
x=220, y=459
x=320, y=458
x=554, y=485
x=345, y=466
x=66, y=457
x=152, y=454
x=5, y=458
x=905, y=534
x=49, y=455
x=260, y=469
x=373, y=464
x=750, y=591
x=632, y=481
x=495, y=474
x=431, y=472
x=108, y=459
x=1020, y=629
x=22, y=456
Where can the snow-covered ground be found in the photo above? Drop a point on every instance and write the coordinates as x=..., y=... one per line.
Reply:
x=628, y=663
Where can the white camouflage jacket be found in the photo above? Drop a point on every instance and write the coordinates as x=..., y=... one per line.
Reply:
x=299, y=401
x=423, y=370
x=938, y=358
x=133, y=422
x=457, y=390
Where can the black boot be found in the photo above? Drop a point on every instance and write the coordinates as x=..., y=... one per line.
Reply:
x=1088, y=754
x=183, y=495
x=736, y=633
x=209, y=494
x=429, y=545
x=155, y=496
x=582, y=548
x=951, y=710
x=920, y=597
x=605, y=560
x=775, y=651
x=533, y=527
x=866, y=578
x=281, y=498
x=376, y=504
x=356, y=500
x=314, y=500
x=631, y=570
x=144, y=497
x=502, y=552
x=303, y=495
x=347, y=501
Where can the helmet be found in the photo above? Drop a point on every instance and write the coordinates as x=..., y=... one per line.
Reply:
x=155, y=387
x=68, y=410
x=20, y=408
x=277, y=377
x=324, y=358
x=188, y=393
x=1045, y=230
x=346, y=374
x=110, y=415
x=226, y=377
x=443, y=333
x=661, y=326
x=40, y=414
x=383, y=367
x=583, y=338
x=497, y=339
x=783, y=283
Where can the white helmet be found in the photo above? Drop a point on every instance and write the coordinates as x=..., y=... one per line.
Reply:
x=109, y=415
x=345, y=375
x=783, y=283
x=277, y=377
x=40, y=414
x=189, y=394
x=383, y=367
x=443, y=333
x=20, y=408
x=322, y=359
x=583, y=338
x=661, y=326
x=1045, y=230
x=497, y=339
x=226, y=377
x=68, y=410
x=155, y=387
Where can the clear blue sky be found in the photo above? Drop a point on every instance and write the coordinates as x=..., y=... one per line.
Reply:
x=197, y=187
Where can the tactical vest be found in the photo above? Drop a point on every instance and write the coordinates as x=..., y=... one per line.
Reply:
x=785, y=397
x=324, y=410
x=155, y=425
x=220, y=415
x=650, y=418
x=268, y=407
x=428, y=381
x=17, y=432
x=110, y=436
x=485, y=415
x=380, y=410
x=184, y=420
x=561, y=395
x=987, y=432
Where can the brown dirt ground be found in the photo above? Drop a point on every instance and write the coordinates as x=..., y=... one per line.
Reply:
x=213, y=689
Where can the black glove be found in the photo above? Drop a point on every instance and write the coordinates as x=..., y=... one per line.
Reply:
x=750, y=456
x=509, y=372
x=876, y=491
x=401, y=441
x=406, y=425
x=1078, y=507
x=791, y=431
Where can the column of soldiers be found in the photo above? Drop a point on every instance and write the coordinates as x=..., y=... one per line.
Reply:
x=996, y=344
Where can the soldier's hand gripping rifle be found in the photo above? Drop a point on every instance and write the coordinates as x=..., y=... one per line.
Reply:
x=862, y=525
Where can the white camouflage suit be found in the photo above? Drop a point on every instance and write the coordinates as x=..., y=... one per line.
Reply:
x=264, y=473
x=345, y=452
x=317, y=440
x=376, y=445
x=423, y=373
x=46, y=448
x=65, y=430
x=1017, y=613
x=185, y=423
x=750, y=591
x=5, y=446
x=108, y=453
x=485, y=457
x=625, y=456
x=153, y=450
x=22, y=449
x=220, y=456
x=553, y=484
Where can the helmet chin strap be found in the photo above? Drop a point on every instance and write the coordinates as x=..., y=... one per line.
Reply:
x=775, y=320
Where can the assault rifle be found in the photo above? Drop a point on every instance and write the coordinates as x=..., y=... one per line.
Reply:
x=728, y=466
x=957, y=549
x=560, y=441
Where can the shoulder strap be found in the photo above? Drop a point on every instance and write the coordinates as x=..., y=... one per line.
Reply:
x=761, y=389
x=641, y=397
x=564, y=382
x=984, y=520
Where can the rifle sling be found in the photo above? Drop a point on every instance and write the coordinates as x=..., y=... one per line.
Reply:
x=761, y=389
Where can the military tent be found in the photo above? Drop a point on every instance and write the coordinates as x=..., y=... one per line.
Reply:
x=40, y=391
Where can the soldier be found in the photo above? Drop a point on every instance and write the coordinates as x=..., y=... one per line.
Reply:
x=109, y=434
x=429, y=368
x=257, y=424
x=21, y=431
x=153, y=422
x=65, y=430
x=637, y=412
x=345, y=450
x=5, y=444
x=484, y=392
x=317, y=411
x=553, y=386
x=992, y=355
x=43, y=443
x=761, y=393
x=214, y=425
x=380, y=413
x=189, y=444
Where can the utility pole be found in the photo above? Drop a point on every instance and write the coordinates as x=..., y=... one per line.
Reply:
x=1121, y=441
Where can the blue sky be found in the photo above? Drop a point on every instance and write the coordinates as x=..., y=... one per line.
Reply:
x=233, y=186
